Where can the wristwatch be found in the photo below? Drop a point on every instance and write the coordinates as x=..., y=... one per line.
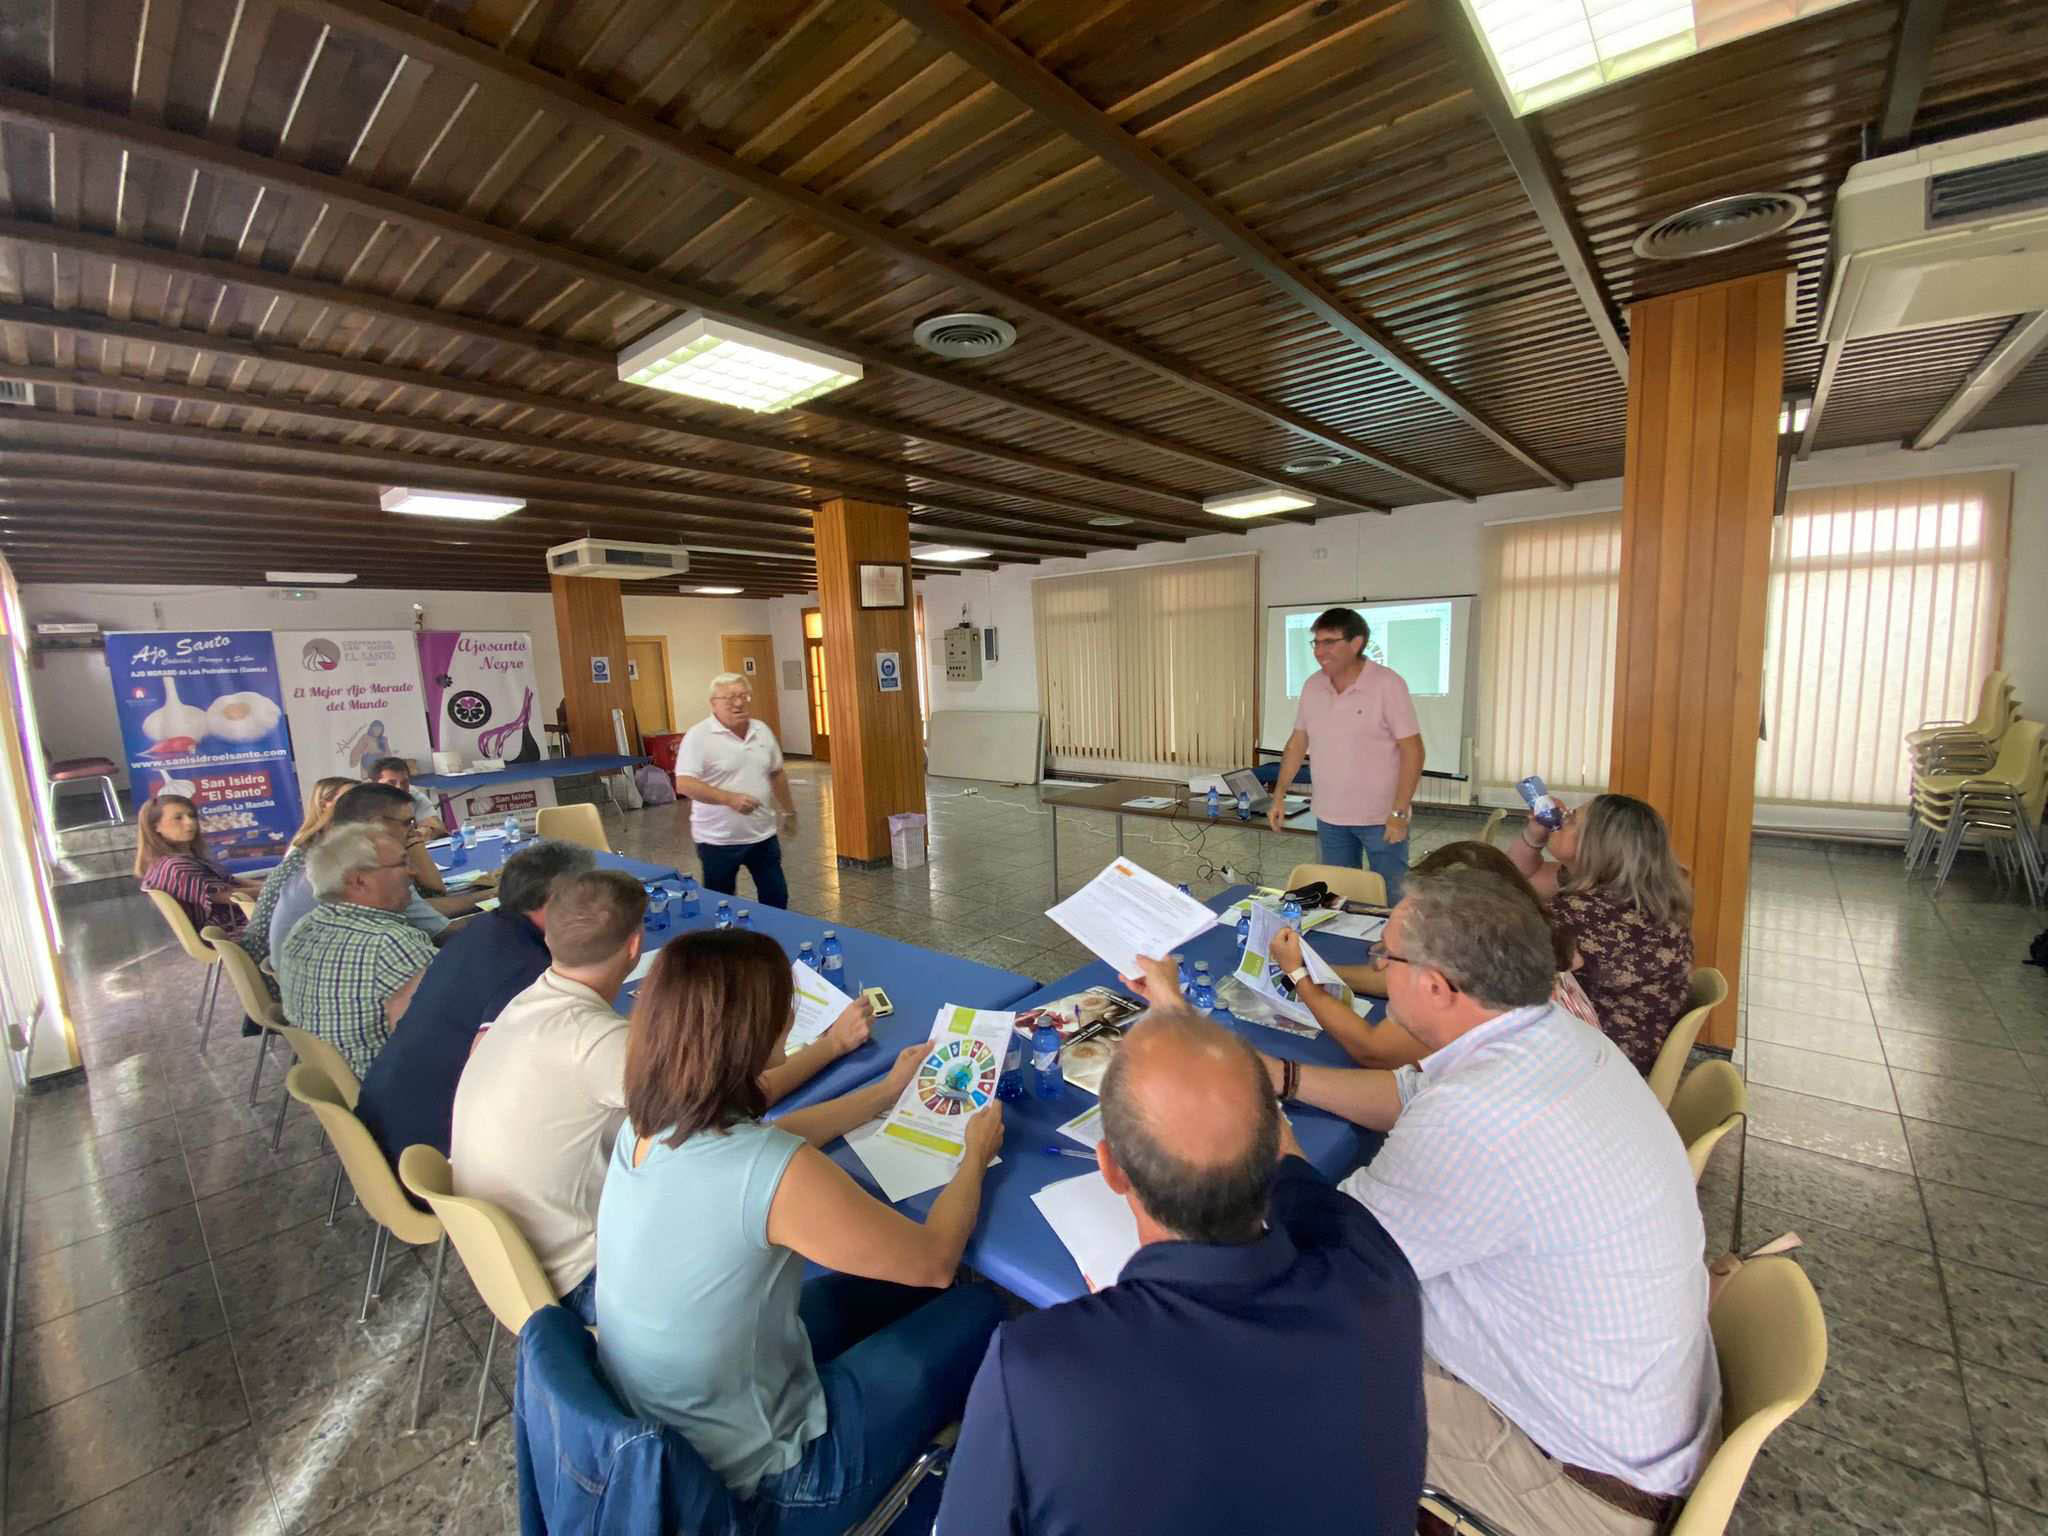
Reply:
x=1398, y=815
x=1298, y=975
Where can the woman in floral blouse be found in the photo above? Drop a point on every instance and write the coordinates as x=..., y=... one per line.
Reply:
x=1617, y=889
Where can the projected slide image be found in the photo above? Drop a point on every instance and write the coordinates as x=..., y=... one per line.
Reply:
x=1412, y=638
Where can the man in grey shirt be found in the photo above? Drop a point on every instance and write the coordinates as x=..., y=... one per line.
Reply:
x=375, y=805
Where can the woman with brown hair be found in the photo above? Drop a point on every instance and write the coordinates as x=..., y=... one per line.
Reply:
x=171, y=856
x=1617, y=888
x=808, y=1398
x=1374, y=1045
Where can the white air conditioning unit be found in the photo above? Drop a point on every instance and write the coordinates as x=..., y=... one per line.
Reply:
x=1946, y=233
x=616, y=561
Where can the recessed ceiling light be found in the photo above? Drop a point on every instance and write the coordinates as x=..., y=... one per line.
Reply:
x=718, y=591
x=311, y=578
x=1309, y=464
x=463, y=504
x=716, y=360
x=1257, y=503
x=1108, y=520
x=948, y=553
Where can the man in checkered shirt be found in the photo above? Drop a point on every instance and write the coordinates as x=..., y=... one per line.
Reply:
x=1544, y=1200
x=349, y=966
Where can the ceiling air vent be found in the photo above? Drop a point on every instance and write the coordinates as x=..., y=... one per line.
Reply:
x=2004, y=186
x=1311, y=463
x=965, y=335
x=16, y=392
x=1706, y=229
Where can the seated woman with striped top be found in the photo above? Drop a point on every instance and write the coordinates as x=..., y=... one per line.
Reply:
x=171, y=856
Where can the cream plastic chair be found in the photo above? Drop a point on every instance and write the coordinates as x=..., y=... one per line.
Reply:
x=251, y=992
x=323, y=1058
x=1351, y=884
x=579, y=824
x=189, y=940
x=363, y=1161
x=499, y=1259
x=1709, y=1104
x=1492, y=826
x=1772, y=1342
x=1709, y=991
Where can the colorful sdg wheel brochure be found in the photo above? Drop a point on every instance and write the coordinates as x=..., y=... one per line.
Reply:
x=955, y=1081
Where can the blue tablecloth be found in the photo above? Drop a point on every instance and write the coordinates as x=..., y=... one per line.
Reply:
x=520, y=773
x=490, y=852
x=1012, y=1244
x=919, y=982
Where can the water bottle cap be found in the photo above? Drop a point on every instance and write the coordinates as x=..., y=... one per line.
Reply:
x=1201, y=965
x=831, y=933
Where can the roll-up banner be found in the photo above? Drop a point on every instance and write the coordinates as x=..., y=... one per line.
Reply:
x=353, y=696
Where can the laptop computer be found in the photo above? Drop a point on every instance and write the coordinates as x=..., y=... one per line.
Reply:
x=1243, y=781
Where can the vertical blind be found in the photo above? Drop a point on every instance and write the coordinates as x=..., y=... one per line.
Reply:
x=1549, y=596
x=1885, y=610
x=1152, y=668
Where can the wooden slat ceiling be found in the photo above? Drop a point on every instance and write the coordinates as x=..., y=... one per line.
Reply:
x=261, y=258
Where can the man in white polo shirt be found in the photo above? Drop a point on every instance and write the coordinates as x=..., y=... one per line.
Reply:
x=727, y=768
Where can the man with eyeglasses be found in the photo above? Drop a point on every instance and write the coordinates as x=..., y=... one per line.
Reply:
x=351, y=964
x=729, y=767
x=1547, y=1207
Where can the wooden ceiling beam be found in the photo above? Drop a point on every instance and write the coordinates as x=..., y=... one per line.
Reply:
x=554, y=348
x=1905, y=71
x=384, y=376
x=1542, y=183
x=963, y=32
x=154, y=142
x=697, y=157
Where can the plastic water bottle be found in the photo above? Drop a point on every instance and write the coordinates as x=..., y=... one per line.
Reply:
x=1290, y=911
x=1045, y=1061
x=688, y=897
x=1244, y=805
x=1244, y=932
x=1213, y=805
x=511, y=831
x=1203, y=997
x=1187, y=977
x=1543, y=806
x=744, y=918
x=657, y=906
x=468, y=835
x=808, y=953
x=724, y=914
x=832, y=959
x=1010, y=1086
x=458, y=853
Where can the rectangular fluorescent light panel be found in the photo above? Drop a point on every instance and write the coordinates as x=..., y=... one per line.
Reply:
x=310, y=578
x=718, y=591
x=1257, y=503
x=948, y=553
x=1792, y=418
x=462, y=504
x=716, y=360
x=1547, y=51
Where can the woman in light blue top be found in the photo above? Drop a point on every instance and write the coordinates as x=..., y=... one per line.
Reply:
x=808, y=1399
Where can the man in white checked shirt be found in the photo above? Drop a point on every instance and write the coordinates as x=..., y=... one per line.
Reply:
x=1547, y=1207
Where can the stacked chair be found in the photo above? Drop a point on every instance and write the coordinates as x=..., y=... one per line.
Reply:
x=2000, y=803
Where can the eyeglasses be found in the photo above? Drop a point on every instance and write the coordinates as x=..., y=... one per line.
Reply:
x=1379, y=957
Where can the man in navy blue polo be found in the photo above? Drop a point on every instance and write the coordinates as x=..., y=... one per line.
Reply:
x=1258, y=1365
x=409, y=1095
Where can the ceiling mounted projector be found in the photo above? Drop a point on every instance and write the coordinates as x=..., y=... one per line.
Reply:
x=613, y=560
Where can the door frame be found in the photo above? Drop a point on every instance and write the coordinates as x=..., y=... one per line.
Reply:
x=668, y=691
x=814, y=650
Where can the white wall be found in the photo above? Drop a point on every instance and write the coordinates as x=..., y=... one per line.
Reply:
x=75, y=698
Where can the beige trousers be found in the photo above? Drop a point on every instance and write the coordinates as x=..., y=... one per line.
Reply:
x=1495, y=1470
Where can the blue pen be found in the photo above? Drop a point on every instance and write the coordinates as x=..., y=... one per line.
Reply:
x=1088, y=1157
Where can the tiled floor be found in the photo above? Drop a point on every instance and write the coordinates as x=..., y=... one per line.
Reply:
x=189, y=1359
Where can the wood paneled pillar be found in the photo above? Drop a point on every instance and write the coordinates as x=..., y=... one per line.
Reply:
x=590, y=624
x=1706, y=373
x=877, y=746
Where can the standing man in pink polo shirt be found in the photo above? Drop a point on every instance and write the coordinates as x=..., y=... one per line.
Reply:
x=1358, y=723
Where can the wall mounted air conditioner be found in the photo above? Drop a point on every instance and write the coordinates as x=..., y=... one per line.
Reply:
x=1946, y=233
x=616, y=561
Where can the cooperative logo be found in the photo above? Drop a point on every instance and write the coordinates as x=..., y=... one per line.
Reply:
x=469, y=709
x=320, y=655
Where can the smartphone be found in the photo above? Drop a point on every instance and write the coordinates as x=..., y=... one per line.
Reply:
x=879, y=1001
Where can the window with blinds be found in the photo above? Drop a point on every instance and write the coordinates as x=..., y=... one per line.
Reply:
x=1152, y=669
x=1549, y=596
x=1885, y=610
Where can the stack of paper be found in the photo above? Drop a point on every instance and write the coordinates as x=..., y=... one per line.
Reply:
x=1094, y=1223
x=1126, y=911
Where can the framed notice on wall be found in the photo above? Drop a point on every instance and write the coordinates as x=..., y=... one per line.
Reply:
x=885, y=586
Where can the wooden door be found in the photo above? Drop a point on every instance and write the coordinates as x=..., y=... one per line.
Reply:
x=647, y=675
x=753, y=657
x=814, y=685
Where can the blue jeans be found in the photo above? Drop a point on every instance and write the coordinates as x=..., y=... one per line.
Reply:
x=1365, y=848
x=895, y=1364
x=763, y=860
x=581, y=1299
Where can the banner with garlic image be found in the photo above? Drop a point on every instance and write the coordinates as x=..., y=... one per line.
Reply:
x=353, y=696
x=202, y=715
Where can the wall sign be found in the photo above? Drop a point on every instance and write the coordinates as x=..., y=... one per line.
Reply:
x=889, y=671
x=747, y=665
x=885, y=586
x=600, y=669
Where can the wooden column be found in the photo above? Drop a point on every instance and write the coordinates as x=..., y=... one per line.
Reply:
x=877, y=747
x=590, y=622
x=1706, y=372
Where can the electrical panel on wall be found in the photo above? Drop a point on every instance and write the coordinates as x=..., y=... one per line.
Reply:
x=963, y=655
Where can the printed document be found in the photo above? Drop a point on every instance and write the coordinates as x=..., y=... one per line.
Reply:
x=1257, y=971
x=955, y=1081
x=818, y=1003
x=1126, y=911
x=1094, y=1223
